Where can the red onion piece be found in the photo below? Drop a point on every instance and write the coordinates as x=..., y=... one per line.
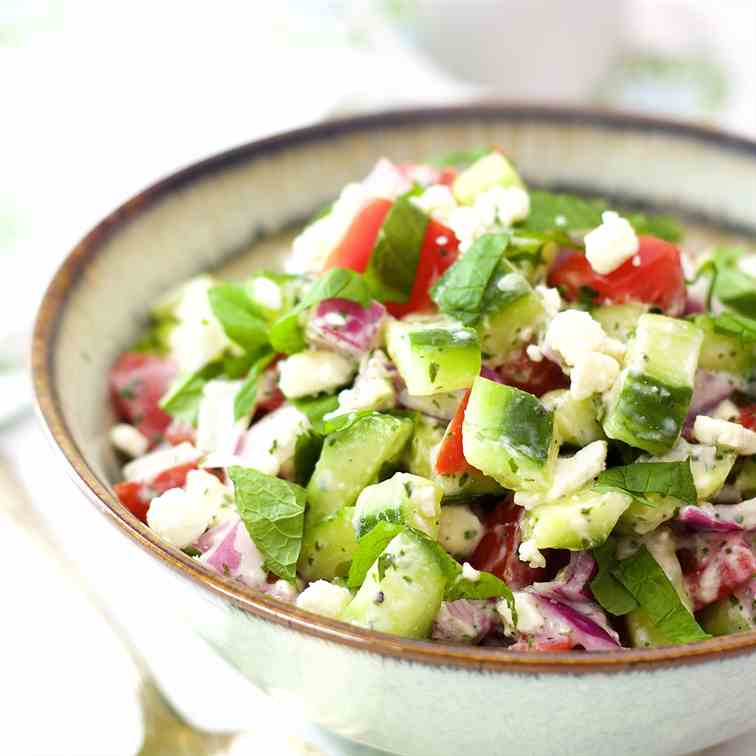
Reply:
x=571, y=584
x=228, y=550
x=464, y=621
x=584, y=631
x=708, y=391
x=720, y=518
x=346, y=326
x=492, y=375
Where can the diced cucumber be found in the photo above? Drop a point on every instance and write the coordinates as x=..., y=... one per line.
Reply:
x=720, y=352
x=581, y=521
x=489, y=171
x=361, y=454
x=403, y=590
x=404, y=498
x=434, y=357
x=420, y=459
x=620, y=320
x=710, y=467
x=575, y=420
x=745, y=482
x=510, y=314
x=649, y=404
x=642, y=632
x=508, y=434
x=328, y=547
x=639, y=518
x=732, y=614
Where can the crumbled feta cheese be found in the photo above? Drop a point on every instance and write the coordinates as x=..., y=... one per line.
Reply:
x=283, y=590
x=470, y=573
x=459, y=530
x=534, y=353
x=324, y=598
x=267, y=293
x=425, y=497
x=467, y=224
x=511, y=203
x=271, y=442
x=181, y=516
x=314, y=371
x=574, y=333
x=437, y=201
x=529, y=617
x=572, y=473
x=528, y=552
x=129, y=440
x=151, y=465
x=710, y=430
x=373, y=387
x=216, y=428
x=611, y=244
x=726, y=410
x=593, y=373
x=550, y=298
x=386, y=181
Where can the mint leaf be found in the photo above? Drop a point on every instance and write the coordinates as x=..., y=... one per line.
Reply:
x=315, y=408
x=306, y=455
x=459, y=158
x=241, y=319
x=459, y=292
x=393, y=263
x=184, y=396
x=661, y=226
x=369, y=548
x=487, y=586
x=607, y=590
x=732, y=324
x=272, y=510
x=645, y=580
x=245, y=398
x=664, y=478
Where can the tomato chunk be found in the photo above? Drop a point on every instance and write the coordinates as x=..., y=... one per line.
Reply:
x=451, y=458
x=654, y=276
x=137, y=383
x=534, y=377
x=747, y=417
x=357, y=245
x=137, y=495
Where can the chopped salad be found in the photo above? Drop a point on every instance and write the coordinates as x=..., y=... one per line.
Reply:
x=469, y=410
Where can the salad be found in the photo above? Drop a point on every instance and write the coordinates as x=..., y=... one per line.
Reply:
x=470, y=411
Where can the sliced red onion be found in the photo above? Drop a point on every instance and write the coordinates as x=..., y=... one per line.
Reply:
x=229, y=551
x=571, y=584
x=491, y=375
x=346, y=326
x=720, y=518
x=709, y=390
x=464, y=621
x=583, y=631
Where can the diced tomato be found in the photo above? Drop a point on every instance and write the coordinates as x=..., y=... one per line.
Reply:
x=654, y=276
x=716, y=564
x=357, y=245
x=534, y=377
x=137, y=495
x=447, y=177
x=451, y=459
x=497, y=550
x=179, y=432
x=137, y=383
x=439, y=251
x=748, y=417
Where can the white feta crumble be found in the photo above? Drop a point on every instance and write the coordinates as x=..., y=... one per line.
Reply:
x=528, y=552
x=726, y=410
x=593, y=373
x=152, y=464
x=529, y=617
x=438, y=202
x=470, y=573
x=467, y=224
x=710, y=430
x=459, y=530
x=267, y=293
x=550, y=298
x=271, y=441
x=574, y=333
x=534, y=353
x=611, y=244
x=129, y=440
x=324, y=598
x=510, y=204
x=373, y=387
x=181, y=515
x=216, y=428
x=283, y=590
x=311, y=372
x=386, y=181
x=572, y=473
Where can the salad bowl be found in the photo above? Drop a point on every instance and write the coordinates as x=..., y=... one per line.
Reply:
x=232, y=212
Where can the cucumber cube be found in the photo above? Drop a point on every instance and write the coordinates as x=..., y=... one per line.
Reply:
x=733, y=614
x=403, y=590
x=404, y=498
x=328, y=547
x=489, y=171
x=434, y=357
x=508, y=434
x=720, y=352
x=575, y=420
x=640, y=519
x=620, y=320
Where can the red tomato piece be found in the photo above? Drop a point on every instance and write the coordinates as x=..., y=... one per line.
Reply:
x=534, y=377
x=137, y=383
x=748, y=417
x=357, y=245
x=131, y=494
x=497, y=550
x=447, y=177
x=451, y=459
x=656, y=279
x=137, y=495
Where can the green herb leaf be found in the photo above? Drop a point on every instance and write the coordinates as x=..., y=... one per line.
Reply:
x=459, y=158
x=183, y=398
x=664, y=478
x=272, y=510
x=241, y=319
x=459, y=292
x=645, y=580
x=729, y=284
x=661, y=226
x=369, y=548
x=732, y=324
x=315, y=408
x=396, y=253
x=245, y=398
x=606, y=589
x=487, y=586
x=306, y=455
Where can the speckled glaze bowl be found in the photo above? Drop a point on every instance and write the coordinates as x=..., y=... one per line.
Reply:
x=408, y=697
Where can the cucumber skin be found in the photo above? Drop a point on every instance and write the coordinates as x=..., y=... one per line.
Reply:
x=407, y=599
x=725, y=617
x=575, y=420
x=328, y=547
x=642, y=632
x=720, y=352
x=639, y=519
x=619, y=320
x=352, y=459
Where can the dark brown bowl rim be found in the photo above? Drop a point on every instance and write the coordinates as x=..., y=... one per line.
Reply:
x=471, y=658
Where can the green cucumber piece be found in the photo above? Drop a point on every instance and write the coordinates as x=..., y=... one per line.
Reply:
x=745, y=482
x=710, y=467
x=508, y=434
x=722, y=352
x=403, y=498
x=328, y=547
x=581, y=521
x=489, y=171
x=434, y=357
x=642, y=632
x=575, y=420
x=620, y=320
x=733, y=614
x=640, y=518
x=649, y=404
x=403, y=590
x=366, y=451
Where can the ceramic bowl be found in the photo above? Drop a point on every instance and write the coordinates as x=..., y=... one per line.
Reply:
x=407, y=697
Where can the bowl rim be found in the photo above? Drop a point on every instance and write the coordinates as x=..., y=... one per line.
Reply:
x=245, y=599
